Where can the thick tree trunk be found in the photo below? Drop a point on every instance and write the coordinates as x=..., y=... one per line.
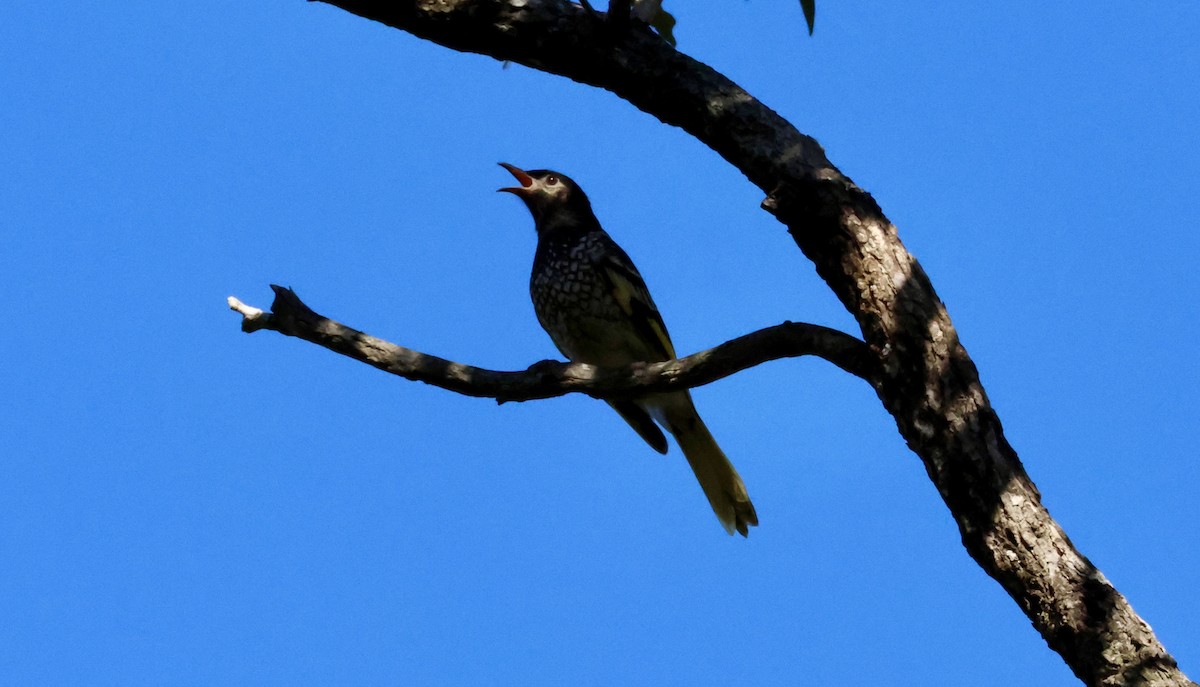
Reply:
x=926, y=380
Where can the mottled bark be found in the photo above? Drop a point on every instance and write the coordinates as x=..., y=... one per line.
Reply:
x=549, y=378
x=924, y=377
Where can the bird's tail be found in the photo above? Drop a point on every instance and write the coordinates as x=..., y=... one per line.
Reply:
x=720, y=480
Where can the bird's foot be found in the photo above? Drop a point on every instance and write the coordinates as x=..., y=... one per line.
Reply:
x=544, y=368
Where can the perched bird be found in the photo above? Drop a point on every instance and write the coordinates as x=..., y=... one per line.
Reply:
x=593, y=303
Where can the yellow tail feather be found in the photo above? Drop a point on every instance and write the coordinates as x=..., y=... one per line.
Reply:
x=720, y=480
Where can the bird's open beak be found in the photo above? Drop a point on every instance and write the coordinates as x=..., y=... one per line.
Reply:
x=525, y=180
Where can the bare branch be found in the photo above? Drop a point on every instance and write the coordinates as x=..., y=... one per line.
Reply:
x=547, y=379
x=926, y=379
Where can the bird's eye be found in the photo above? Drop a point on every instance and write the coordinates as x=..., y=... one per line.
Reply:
x=551, y=180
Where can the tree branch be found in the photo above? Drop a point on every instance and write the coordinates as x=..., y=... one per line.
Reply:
x=926, y=380
x=547, y=379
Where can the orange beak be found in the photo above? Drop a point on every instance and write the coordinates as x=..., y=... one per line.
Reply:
x=524, y=179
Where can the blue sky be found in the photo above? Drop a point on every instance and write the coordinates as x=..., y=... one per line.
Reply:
x=181, y=503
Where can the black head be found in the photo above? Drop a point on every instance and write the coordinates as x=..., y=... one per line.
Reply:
x=553, y=199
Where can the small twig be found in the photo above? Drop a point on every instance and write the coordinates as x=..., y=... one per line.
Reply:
x=290, y=316
x=253, y=319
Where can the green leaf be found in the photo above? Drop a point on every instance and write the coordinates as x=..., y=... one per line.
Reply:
x=664, y=24
x=810, y=13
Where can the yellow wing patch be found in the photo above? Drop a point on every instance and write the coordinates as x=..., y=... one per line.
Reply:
x=634, y=299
